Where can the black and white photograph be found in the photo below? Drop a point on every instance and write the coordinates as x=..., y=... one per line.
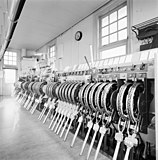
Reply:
x=78, y=79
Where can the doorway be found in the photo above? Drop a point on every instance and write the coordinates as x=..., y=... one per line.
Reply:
x=9, y=79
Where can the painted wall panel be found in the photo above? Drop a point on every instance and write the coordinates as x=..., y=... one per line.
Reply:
x=86, y=27
x=144, y=10
x=74, y=51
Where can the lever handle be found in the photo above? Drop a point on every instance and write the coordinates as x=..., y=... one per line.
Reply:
x=76, y=133
x=116, y=151
x=98, y=147
x=127, y=153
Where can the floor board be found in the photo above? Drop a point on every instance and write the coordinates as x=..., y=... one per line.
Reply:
x=24, y=137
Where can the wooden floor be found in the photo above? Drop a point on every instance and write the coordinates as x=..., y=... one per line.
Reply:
x=24, y=137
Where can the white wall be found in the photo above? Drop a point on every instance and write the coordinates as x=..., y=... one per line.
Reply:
x=142, y=10
x=74, y=51
x=30, y=53
x=70, y=52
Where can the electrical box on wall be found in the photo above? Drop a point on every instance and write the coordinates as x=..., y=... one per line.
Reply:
x=147, y=33
x=149, y=37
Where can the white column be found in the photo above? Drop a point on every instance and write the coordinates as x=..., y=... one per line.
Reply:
x=23, y=52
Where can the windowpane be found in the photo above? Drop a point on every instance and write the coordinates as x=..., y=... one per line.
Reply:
x=122, y=12
x=122, y=34
x=113, y=37
x=10, y=54
x=105, y=21
x=113, y=17
x=118, y=51
x=53, y=54
x=53, y=48
x=10, y=58
x=113, y=27
x=122, y=23
x=5, y=57
x=14, y=54
x=14, y=58
x=105, y=31
x=10, y=62
x=14, y=62
x=5, y=62
x=105, y=40
x=6, y=53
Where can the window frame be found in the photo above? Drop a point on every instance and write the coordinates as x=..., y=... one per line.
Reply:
x=10, y=58
x=51, y=59
x=112, y=8
x=53, y=51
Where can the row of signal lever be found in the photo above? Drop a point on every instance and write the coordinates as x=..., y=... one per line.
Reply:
x=106, y=115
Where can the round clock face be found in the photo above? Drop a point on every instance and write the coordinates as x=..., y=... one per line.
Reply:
x=78, y=35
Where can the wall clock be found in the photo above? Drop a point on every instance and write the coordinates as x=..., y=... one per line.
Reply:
x=78, y=35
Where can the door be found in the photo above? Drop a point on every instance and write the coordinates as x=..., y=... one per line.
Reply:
x=8, y=81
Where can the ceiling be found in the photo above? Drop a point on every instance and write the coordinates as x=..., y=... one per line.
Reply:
x=4, y=12
x=43, y=20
